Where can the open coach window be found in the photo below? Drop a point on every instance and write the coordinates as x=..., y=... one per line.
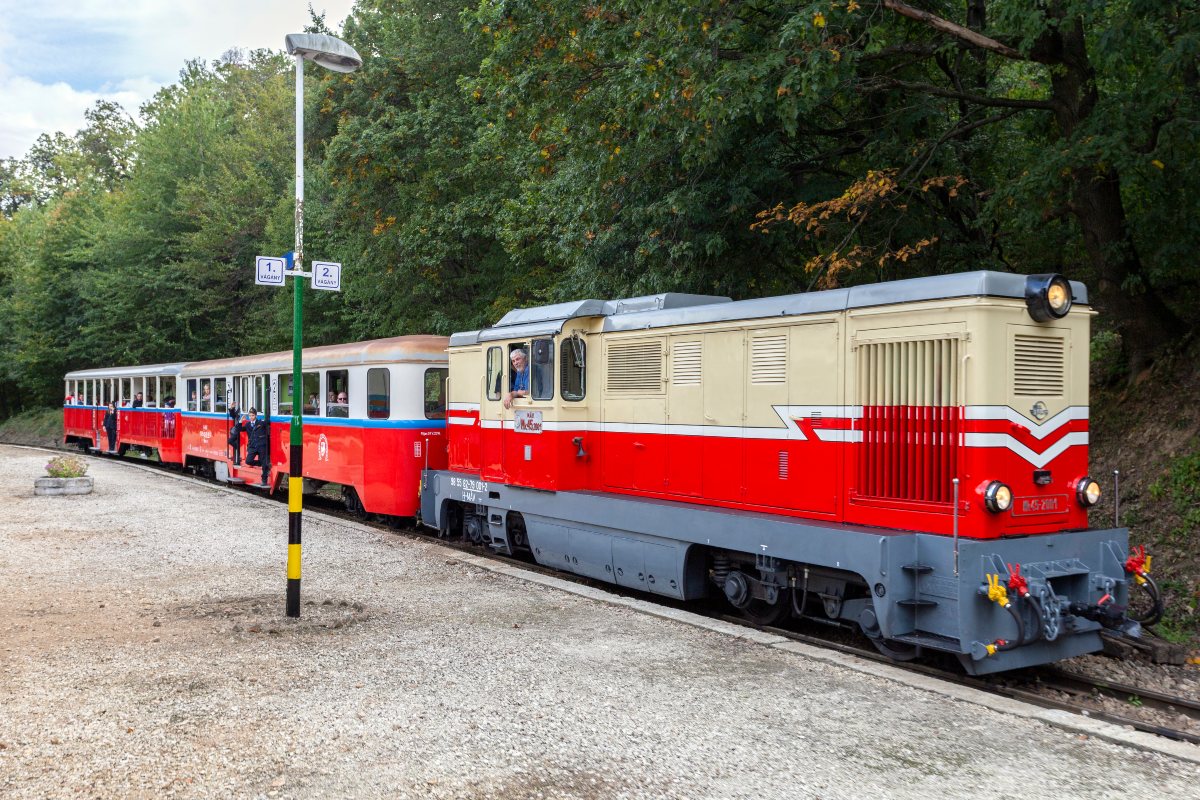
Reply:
x=435, y=392
x=379, y=393
x=337, y=393
x=193, y=403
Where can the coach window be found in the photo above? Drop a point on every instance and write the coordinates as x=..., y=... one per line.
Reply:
x=151, y=396
x=435, y=392
x=219, y=395
x=379, y=400
x=311, y=383
x=337, y=393
x=206, y=394
x=495, y=372
x=542, y=369
x=260, y=401
x=571, y=374
x=124, y=393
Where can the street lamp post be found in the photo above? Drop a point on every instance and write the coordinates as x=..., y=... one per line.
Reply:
x=334, y=54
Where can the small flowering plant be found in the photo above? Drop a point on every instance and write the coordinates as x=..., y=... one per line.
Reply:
x=66, y=467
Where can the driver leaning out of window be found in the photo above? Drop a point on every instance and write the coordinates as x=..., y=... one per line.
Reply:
x=518, y=379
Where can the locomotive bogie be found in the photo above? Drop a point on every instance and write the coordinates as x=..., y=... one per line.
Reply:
x=907, y=590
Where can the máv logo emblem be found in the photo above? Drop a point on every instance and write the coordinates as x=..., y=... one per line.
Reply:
x=1039, y=411
x=322, y=448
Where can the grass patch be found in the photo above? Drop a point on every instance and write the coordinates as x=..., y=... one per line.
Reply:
x=41, y=427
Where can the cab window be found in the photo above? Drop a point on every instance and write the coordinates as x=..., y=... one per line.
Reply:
x=541, y=369
x=495, y=372
x=571, y=375
x=379, y=400
x=435, y=392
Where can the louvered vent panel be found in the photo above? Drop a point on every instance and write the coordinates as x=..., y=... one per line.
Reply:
x=685, y=364
x=783, y=464
x=1038, y=366
x=911, y=419
x=768, y=359
x=635, y=367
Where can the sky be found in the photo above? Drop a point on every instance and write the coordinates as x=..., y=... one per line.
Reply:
x=58, y=57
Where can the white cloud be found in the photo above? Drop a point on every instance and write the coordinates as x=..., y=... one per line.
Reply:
x=58, y=58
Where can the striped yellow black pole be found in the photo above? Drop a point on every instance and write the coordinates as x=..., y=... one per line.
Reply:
x=296, y=452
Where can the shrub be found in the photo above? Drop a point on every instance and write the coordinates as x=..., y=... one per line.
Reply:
x=66, y=467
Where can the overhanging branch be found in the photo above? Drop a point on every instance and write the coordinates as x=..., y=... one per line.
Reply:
x=966, y=35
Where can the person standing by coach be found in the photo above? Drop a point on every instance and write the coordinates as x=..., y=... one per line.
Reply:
x=110, y=425
x=258, y=443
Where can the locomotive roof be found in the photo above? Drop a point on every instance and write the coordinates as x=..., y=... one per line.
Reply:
x=125, y=372
x=663, y=310
x=421, y=349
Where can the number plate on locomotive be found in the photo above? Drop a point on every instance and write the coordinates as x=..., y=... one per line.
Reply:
x=1046, y=504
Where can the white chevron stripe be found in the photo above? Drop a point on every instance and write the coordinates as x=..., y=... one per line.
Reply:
x=1038, y=460
x=1037, y=430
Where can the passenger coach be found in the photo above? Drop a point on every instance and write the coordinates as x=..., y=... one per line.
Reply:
x=893, y=456
x=374, y=417
x=152, y=426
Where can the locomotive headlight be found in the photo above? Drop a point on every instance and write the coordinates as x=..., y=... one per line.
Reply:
x=1088, y=492
x=1047, y=297
x=997, y=497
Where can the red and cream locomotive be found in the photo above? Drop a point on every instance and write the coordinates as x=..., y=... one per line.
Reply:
x=898, y=456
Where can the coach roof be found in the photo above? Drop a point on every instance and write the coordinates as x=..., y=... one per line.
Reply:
x=397, y=349
x=663, y=310
x=126, y=372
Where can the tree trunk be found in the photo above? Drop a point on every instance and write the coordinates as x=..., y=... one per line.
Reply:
x=1123, y=293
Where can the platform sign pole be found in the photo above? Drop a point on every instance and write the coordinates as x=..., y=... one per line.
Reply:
x=332, y=54
x=296, y=452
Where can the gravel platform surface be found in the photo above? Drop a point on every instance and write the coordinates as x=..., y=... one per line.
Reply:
x=144, y=653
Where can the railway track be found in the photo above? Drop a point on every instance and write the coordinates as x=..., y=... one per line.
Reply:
x=1047, y=687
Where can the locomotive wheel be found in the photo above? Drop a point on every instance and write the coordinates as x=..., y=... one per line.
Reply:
x=760, y=612
x=897, y=651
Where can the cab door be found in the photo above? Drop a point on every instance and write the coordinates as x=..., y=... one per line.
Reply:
x=492, y=414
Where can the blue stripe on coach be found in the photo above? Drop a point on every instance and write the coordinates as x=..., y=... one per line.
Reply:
x=312, y=419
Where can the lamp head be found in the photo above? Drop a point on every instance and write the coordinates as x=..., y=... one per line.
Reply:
x=328, y=51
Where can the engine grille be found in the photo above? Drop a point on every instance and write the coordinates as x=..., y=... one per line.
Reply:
x=1039, y=366
x=635, y=366
x=911, y=419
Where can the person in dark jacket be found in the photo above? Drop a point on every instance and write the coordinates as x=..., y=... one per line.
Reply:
x=258, y=443
x=235, y=434
x=110, y=425
x=138, y=402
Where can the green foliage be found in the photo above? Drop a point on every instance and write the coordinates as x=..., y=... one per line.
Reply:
x=1107, y=365
x=1180, y=486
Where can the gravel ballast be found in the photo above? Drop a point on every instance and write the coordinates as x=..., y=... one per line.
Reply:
x=144, y=653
